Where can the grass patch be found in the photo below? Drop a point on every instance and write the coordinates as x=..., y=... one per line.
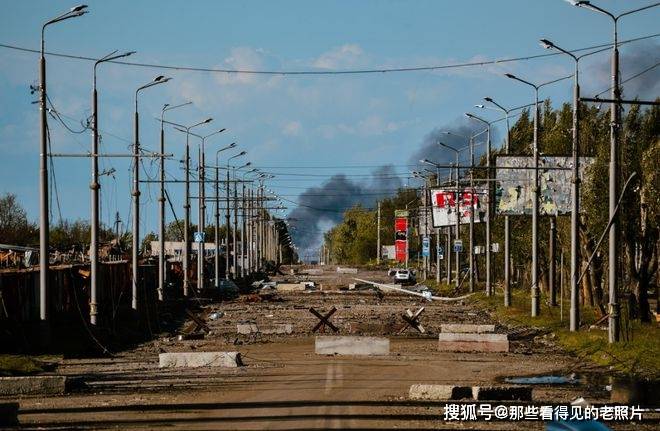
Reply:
x=638, y=353
x=17, y=365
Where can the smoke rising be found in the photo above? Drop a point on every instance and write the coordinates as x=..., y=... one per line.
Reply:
x=321, y=207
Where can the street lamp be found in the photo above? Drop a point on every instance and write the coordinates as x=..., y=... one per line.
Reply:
x=245, y=235
x=44, y=227
x=489, y=289
x=162, y=273
x=201, y=215
x=216, y=261
x=186, y=206
x=136, y=185
x=95, y=186
x=536, y=305
x=507, y=235
x=228, y=217
x=614, y=169
x=235, y=200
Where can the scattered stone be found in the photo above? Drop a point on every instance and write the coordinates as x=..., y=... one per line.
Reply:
x=199, y=359
x=466, y=328
x=29, y=385
x=471, y=342
x=440, y=392
x=346, y=345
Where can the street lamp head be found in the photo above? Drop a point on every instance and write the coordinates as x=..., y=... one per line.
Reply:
x=159, y=78
x=545, y=43
x=247, y=164
x=79, y=8
x=488, y=99
x=242, y=153
x=510, y=75
x=208, y=120
x=479, y=106
x=467, y=114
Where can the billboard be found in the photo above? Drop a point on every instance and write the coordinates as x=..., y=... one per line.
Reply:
x=401, y=235
x=514, y=187
x=444, y=206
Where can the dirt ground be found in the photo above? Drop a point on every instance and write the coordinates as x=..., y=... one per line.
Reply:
x=285, y=385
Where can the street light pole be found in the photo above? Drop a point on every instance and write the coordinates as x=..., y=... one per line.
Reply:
x=536, y=306
x=186, y=205
x=44, y=224
x=615, y=123
x=489, y=288
x=162, y=273
x=95, y=186
x=136, y=188
x=507, y=235
x=228, y=218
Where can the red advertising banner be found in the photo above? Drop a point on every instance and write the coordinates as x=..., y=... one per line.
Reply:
x=401, y=249
x=401, y=235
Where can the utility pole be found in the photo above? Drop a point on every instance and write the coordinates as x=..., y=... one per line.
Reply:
x=44, y=224
x=217, y=229
x=378, y=237
x=551, y=262
x=162, y=273
x=471, y=251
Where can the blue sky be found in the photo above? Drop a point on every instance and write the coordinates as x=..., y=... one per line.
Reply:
x=325, y=124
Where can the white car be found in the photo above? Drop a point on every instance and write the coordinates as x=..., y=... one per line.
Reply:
x=404, y=276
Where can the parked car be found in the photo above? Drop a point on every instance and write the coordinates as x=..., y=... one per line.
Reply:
x=404, y=276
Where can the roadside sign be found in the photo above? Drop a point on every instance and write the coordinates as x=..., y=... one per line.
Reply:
x=426, y=246
x=458, y=246
x=495, y=247
x=199, y=236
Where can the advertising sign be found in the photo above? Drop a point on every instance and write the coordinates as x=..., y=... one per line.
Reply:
x=401, y=235
x=426, y=246
x=514, y=187
x=444, y=206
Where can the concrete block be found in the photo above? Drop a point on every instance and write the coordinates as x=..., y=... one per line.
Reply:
x=464, y=328
x=471, y=342
x=346, y=345
x=253, y=328
x=28, y=385
x=502, y=393
x=291, y=287
x=8, y=414
x=347, y=270
x=199, y=359
x=312, y=271
x=440, y=392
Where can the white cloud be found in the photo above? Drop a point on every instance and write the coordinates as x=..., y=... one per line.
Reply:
x=241, y=58
x=348, y=55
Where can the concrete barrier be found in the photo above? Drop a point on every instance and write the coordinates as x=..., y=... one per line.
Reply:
x=8, y=414
x=440, y=392
x=470, y=342
x=291, y=287
x=253, y=328
x=464, y=328
x=346, y=345
x=199, y=359
x=347, y=270
x=502, y=393
x=477, y=393
x=29, y=385
x=312, y=271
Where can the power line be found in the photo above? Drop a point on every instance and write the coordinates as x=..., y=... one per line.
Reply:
x=326, y=72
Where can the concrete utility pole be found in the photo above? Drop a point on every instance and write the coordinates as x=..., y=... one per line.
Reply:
x=378, y=237
x=507, y=235
x=536, y=305
x=615, y=123
x=551, y=262
x=136, y=187
x=44, y=224
x=186, y=204
x=489, y=287
x=162, y=273
x=228, y=219
x=471, y=214
x=95, y=186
